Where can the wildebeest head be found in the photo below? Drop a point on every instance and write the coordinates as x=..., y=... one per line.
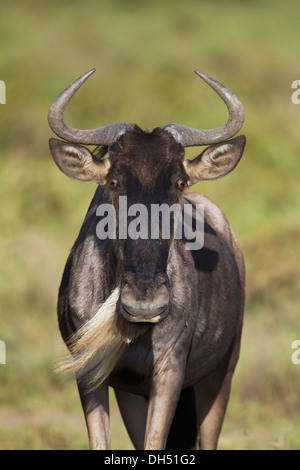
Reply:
x=147, y=168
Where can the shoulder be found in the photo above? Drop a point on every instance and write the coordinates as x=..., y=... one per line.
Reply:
x=216, y=219
x=213, y=214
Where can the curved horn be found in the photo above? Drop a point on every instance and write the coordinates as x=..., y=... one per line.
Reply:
x=189, y=137
x=101, y=136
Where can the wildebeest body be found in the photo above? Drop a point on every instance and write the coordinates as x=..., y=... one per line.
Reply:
x=178, y=312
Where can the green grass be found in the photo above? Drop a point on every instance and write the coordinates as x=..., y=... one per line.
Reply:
x=145, y=54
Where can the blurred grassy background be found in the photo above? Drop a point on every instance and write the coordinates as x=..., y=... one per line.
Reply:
x=145, y=53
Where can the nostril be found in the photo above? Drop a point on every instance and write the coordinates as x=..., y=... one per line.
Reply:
x=128, y=277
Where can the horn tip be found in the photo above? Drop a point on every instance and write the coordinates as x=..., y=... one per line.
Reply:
x=90, y=72
x=86, y=75
x=201, y=74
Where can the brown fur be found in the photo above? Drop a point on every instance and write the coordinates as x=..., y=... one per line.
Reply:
x=194, y=344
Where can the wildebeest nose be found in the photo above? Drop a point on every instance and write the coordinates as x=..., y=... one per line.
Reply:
x=147, y=308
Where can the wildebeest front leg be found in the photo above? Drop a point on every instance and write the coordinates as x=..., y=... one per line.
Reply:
x=133, y=409
x=96, y=411
x=211, y=402
x=164, y=396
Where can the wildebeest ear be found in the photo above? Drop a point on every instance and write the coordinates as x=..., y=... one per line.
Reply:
x=216, y=161
x=77, y=162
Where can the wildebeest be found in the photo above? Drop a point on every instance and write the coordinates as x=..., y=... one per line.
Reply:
x=157, y=322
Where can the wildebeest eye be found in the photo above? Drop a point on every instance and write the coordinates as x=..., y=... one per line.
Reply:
x=181, y=184
x=114, y=183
